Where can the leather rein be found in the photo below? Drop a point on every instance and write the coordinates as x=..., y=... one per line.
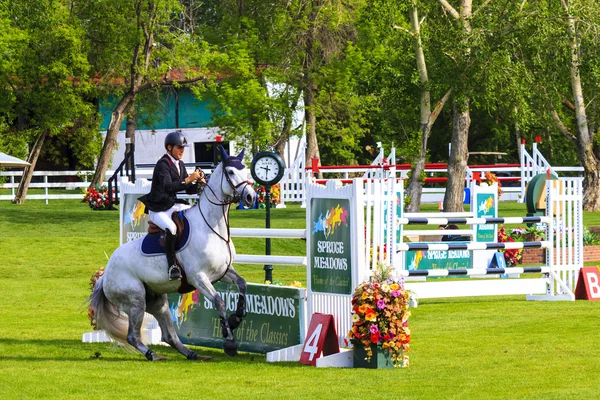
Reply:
x=223, y=203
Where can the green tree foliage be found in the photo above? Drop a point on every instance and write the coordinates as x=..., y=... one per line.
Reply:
x=47, y=81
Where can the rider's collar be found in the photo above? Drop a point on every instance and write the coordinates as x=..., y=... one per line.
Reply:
x=233, y=162
x=174, y=161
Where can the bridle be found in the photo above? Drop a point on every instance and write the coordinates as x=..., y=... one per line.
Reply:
x=236, y=197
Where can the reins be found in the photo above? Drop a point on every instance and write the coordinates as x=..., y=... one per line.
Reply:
x=223, y=203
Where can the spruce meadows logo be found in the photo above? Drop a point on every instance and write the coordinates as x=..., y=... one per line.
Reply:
x=134, y=216
x=332, y=220
x=486, y=205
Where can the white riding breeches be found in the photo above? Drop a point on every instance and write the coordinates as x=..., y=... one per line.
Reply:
x=163, y=218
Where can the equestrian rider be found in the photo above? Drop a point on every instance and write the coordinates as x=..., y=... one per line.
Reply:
x=170, y=177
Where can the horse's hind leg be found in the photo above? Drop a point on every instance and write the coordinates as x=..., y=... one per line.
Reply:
x=158, y=305
x=135, y=307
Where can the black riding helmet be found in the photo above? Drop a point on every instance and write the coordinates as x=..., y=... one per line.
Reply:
x=176, y=138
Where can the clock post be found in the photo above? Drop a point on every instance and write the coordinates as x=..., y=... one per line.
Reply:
x=267, y=169
x=268, y=268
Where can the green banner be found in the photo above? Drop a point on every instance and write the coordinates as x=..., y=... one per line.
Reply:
x=273, y=320
x=486, y=207
x=438, y=259
x=330, y=257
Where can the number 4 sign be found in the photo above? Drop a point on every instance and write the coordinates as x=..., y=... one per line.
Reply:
x=321, y=337
x=588, y=284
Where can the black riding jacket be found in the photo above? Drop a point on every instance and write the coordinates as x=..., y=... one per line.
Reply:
x=166, y=182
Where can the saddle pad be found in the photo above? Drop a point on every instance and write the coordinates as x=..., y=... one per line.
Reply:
x=151, y=246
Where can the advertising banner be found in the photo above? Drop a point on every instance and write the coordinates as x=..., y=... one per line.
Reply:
x=438, y=259
x=330, y=263
x=273, y=320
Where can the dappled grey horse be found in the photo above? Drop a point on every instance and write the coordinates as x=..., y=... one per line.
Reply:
x=133, y=283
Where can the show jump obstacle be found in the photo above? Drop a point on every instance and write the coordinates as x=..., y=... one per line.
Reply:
x=352, y=228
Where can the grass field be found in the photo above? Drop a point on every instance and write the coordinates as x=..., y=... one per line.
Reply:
x=473, y=348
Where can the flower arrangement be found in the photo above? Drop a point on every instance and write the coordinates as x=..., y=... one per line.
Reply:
x=94, y=278
x=491, y=178
x=380, y=316
x=590, y=238
x=275, y=193
x=511, y=256
x=532, y=233
x=97, y=197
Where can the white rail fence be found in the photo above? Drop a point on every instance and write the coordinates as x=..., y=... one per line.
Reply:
x=296, y=177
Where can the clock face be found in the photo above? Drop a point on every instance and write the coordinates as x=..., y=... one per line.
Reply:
x=267, y=168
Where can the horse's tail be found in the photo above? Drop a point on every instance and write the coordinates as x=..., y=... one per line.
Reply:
x=107, y=315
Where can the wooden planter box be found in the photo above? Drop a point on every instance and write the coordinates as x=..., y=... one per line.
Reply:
x=538, y=256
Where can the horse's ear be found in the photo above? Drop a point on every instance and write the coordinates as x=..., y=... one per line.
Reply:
x=223, y=153
x=241, y=155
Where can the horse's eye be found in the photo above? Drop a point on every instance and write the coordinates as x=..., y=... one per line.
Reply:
x=231, y=172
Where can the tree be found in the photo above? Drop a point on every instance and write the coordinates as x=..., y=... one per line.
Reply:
x=140, y=45
x=427, y=115
x=48, y=88
x=575, y=34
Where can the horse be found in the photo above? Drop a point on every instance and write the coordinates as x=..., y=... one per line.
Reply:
x=134, y=283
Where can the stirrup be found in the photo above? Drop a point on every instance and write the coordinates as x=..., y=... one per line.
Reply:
x=174, y=272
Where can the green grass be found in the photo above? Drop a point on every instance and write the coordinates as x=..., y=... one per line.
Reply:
x=474, y=348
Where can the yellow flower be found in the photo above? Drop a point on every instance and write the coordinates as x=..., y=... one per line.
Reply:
x=362, y=309
x=371, y=315
x=394, y=286
x=364, y=296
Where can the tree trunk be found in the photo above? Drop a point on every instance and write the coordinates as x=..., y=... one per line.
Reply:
x=111, y=137
x=28, y=172
x=130, y=126
x=312, y=146
x=584, y=143
x=415, y=184
x=457, y=161
x=286, y=130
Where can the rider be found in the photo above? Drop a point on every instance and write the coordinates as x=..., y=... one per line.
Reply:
x=170, y=177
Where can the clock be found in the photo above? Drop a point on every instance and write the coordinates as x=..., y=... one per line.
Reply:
x=267, y=168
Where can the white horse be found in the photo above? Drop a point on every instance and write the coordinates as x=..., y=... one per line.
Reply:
x=133, y=283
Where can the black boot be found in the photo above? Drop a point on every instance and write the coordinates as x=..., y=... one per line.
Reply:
x=174, y=271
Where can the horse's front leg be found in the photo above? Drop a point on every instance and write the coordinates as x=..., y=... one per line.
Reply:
x=203, y=284
x=233, y=277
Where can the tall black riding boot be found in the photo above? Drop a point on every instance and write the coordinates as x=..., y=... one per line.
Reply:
x=174, y=271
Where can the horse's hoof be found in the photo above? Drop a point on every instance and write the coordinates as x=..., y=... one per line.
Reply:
x=195, y=357
x=230, y=348
x=234, y=321
x=152, y=356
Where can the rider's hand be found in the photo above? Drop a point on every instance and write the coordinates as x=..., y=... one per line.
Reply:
x=194, y=176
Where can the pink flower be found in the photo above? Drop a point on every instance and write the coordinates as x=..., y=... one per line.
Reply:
x=395, y=293
x=374, y=329
x=381, y=304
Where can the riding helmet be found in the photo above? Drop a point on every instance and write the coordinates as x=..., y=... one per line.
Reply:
x=176, y=138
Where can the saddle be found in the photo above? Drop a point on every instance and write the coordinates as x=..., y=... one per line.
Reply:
x=153, y=244
x=154, y=241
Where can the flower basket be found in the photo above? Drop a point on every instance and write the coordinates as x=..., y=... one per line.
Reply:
x=380, y=357
x=97, y=197
x=380, y=332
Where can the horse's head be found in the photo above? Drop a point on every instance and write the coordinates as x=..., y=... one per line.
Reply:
x=235, y=181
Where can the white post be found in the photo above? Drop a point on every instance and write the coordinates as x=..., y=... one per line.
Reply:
x=46, y=188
